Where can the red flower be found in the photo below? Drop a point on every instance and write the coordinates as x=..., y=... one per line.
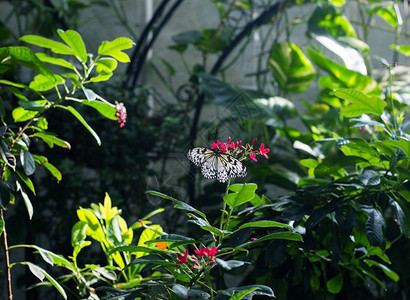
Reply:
x=200, y=252
x=228, y=140
x=254, y=141
x=182, y=258
x=215, y=145
x=222, y=149
x=263, y=150
x=252, y=156
x=211, y=253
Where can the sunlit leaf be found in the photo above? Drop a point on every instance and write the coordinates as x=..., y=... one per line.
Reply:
x=75, y=42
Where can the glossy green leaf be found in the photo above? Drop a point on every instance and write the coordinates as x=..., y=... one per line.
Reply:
x=40, y=274
x=218, y=90
x=403, y=49
x=374, y=226
x=369, y=178
x=32, y=105
x=291, y=236
x=345, y=77
x=360, y=103
x=242, y=294
x=21, y=115
x=51, y=139
x=94, y=228
x=5, y=194
x=335, y=284
x=114, y=48
x=78, y=234
x=54, y=46
x=82, y=121
x=291, y=68
x=179, y=204
x=18, y=94
x=27, y=162
x=105, y=64
x=400, y=143
x=53, y=171
x=75, y=42
x=42, y=83
x=14, y=84
x=390, y=273
x=230, y=264
x=265, y=223
x=27, y=181
x=180, y=291
x=27, y=58
x=330, y=166
x=54, y=60
x=261, y=290
x=27, y=201
x=401, y=217
x=106, y=109
x=7, y=156
x=242, y=193
x=279, y=107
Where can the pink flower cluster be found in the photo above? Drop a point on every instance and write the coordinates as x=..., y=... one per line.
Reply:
x=121, y=113
x=203, y=252
x=234, y=148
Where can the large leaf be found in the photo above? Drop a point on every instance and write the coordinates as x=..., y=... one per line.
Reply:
x=242, y=193
x=401, y=217
x=360, y=103
x=27, y=58
x=218, y=90
x=52, y=140
x=106, y=109
x=74, y=41
x=54, y=46
x=27, y=161
x=265, y=224
x=335, y=284
x=114, y=48
x=81, y=119
x=54, y=60
x=261, y=290
x=40, y=274
x=374, y=225
x=330, y=166
x=291, y=68
x=344, y=77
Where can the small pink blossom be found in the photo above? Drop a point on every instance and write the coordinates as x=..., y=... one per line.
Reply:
x=263, y=151
x=223, y=149
x=228, y=140
x=253, y=239
x=252, y=156
x=121, y=113
x=254, y=141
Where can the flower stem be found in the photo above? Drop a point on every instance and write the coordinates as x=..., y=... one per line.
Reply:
x=6, y=254
x=223, y=211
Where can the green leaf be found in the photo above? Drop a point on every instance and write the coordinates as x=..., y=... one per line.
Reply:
x=51, y=139
x=5, y=194
x=106, y=109
x=54, y=60
x=27, y=162
x=242, y=193
x=42, y=160
x=261, y=290
x=10, y=83
x=27, y=58
x=401, y=218
x=32, y=105
x=1, y=224
x=274, y=236
x=230, y=264
x=374, y=225
x=278, y=107
x=335, y=284
x=114, y=48
x=40, y=274
x=403, y=49
x=360, y=103
x=106, y=65
x=82, y=121
x=330, y=166
x=94, y=228
x=180, y=291
x=43, y=83
x=369, y=178
x=78, y=234
x=390, y=273
x=176, y=238
x=218, y=90
x=344, y=77
x=187, y=37
x=291, y=68
x=74, y=41
x=27, y=202
x=54, y=46
x=242, y=294
x=265, y=224
x=20, y=114
x=27, y=181
x=179, y=204
x=7, y=156
x=400, y=143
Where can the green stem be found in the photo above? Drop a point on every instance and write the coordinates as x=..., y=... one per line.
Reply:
x=223, y=212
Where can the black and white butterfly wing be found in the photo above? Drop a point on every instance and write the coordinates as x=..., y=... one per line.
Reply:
x=221, y=166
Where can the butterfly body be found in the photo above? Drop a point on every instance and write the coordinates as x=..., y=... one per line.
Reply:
x=216, y=164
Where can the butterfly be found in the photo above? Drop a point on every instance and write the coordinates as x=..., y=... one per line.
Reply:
x=215, y=164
